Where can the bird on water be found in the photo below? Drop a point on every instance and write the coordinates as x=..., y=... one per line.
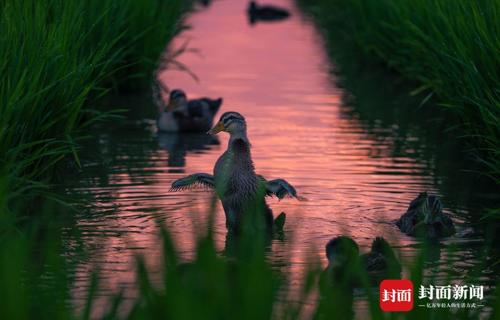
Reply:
x=344, y=261
x=183, y=115
x=266, y=12
x=241, y=191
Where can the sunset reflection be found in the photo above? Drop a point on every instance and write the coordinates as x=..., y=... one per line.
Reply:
x=277, y=76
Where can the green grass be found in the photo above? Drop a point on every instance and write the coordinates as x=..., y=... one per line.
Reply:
x=239, y=283
x=449, y=48
x=56, y=58
x=220, y=287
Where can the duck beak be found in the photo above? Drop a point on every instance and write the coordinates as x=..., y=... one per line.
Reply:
x=217, y=128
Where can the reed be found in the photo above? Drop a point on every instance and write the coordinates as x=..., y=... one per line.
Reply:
x=37, y=282
x=56, y=58
x=448, y=48
x=215, y=286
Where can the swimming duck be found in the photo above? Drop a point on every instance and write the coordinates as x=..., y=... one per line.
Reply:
x=241, y=191
x=266, y=12
x=338, y=280
x=344, y=259
x=183, y=115
x=425, y=217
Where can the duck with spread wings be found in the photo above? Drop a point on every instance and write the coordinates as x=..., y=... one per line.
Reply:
x=241, y=191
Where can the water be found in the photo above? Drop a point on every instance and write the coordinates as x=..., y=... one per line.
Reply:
x=358, y=172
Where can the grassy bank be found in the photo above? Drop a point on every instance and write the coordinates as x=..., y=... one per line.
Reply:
x=57, y=56
x=449, y=48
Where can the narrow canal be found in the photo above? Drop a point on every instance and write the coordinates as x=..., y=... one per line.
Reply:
x=279, y=77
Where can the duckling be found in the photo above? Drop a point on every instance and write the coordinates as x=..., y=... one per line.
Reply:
x=266, y=12
x=183, y=115
x=343, y=261
x=425, y=217
x=241, y=191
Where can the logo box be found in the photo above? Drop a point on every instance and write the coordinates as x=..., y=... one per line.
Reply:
x=396, y=295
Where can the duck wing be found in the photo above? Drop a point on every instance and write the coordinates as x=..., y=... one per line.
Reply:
x=195, y=108
x=374, y=262
x=203, y=107
x=381, y=250
x=213, y=105
x=197, y=179
x=193, y=117
x=280, y=188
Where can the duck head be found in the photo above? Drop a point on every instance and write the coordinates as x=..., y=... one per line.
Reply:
x=341, y=252
x=232, y=123
x=432, y=209
x=176, y=99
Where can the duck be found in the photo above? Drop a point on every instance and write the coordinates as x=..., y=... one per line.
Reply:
x=338, y=280
x=183, y=115
x=346, y=266
x=425, y=217
x=240, y=189
x=266, y=12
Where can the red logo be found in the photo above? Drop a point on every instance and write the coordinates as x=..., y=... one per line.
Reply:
x=396, y=295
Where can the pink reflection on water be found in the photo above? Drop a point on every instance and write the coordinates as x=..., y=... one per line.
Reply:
x=277, y=76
